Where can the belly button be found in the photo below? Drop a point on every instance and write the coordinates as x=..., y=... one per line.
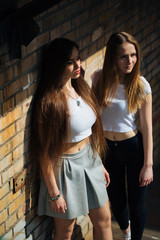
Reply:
x=79, y=149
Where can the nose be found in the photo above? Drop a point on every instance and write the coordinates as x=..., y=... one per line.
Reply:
x=77, y=64
x=129, y=59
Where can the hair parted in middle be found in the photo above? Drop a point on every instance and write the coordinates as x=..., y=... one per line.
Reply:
x=50, y=115
x=107, y=83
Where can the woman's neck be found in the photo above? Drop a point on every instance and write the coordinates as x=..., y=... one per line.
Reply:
x=121, y=78
x=68, y=86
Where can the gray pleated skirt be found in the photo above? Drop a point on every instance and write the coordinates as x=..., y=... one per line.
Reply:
x=80, y=179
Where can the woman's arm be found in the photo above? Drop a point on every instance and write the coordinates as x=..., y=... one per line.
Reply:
x=48, y=174
x=146, y=174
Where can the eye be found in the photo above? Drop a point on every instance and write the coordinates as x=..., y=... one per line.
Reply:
x=79, y=58
x=70, y=62
x=133, y=54
x=123, y=56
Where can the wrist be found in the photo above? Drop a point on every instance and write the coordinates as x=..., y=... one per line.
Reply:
x=148, y=165
x=54, y=198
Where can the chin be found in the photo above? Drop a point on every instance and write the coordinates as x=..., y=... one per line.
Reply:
x=128, y=71
x=76, y=76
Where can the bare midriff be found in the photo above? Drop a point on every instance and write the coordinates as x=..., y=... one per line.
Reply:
x=119, y=136
x=76, y=146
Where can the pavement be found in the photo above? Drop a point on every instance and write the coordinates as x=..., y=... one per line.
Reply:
x=152, y=228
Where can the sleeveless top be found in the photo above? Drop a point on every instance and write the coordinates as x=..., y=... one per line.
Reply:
x=82, y=118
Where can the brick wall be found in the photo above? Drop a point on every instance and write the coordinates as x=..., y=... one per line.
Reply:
x=89, y=23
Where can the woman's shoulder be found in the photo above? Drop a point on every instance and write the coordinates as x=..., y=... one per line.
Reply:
x=147, y=87
x=94, y=77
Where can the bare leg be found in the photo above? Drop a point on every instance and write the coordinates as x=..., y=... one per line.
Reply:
x=127, y=230
x=101, y=220
x=63, y=228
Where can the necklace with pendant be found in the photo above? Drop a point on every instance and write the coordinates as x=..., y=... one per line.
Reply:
x=77, y=101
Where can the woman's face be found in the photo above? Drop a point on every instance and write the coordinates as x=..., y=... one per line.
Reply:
x=72, y=69
x=126, y=58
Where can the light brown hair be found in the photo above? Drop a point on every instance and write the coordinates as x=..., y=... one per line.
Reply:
x=107, y=83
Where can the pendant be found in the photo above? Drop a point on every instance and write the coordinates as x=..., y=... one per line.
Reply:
x=78, y=103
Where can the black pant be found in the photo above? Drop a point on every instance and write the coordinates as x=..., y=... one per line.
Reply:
x=124, y=162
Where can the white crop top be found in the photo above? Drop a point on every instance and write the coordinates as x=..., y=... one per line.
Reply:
x=116, y=117
x=82, y=118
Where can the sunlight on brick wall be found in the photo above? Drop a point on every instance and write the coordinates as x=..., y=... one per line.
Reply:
x=89, y=23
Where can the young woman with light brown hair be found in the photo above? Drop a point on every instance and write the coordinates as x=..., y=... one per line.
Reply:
x=65, y=137
x=121, y=91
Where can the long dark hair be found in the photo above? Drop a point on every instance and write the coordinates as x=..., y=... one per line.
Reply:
x=50, y=114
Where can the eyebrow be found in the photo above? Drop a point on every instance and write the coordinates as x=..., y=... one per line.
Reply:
x=127, y=54
x=72, y=59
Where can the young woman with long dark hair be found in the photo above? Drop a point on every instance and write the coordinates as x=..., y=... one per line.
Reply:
x=66, y=136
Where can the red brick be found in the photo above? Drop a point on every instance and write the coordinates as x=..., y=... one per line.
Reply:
x=86, y=41
x=2, y=229
x=1, y=96
x=5, y=162
x=12, y=170
x=37, y=42
x=80, y=19
x=74, y=35
x=4, y=190
x=17, y=203
x=12, y=144
x=11, y=221
x=73, y=9
x=18, y=152
x=17, y=140
x=32, y=88
x=5, y=201
x=20, y=124
x=7, y=134
x=84, y=53
x=5, y=149
x=15, y=86
x=24, y=65
x=26, y=105
x=92, y=49
x=54, y=19
x=97, y=34
x=95, y=58
x=85, y=29
x=10, y=118
x=60, y=30
x=33, y=75
x=6, y=76
x=8, y=105
x=3, y=215
x=101, y=43
x=21, y=96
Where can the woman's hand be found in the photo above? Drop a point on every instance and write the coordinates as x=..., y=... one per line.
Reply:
x=106, y=177
x=59, y=205
x=146, y=176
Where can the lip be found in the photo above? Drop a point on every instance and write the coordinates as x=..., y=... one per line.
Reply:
x=77, y=71
x=129, y=66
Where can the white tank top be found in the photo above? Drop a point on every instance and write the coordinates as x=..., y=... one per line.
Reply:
x=116, y=117
x=82, y=118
